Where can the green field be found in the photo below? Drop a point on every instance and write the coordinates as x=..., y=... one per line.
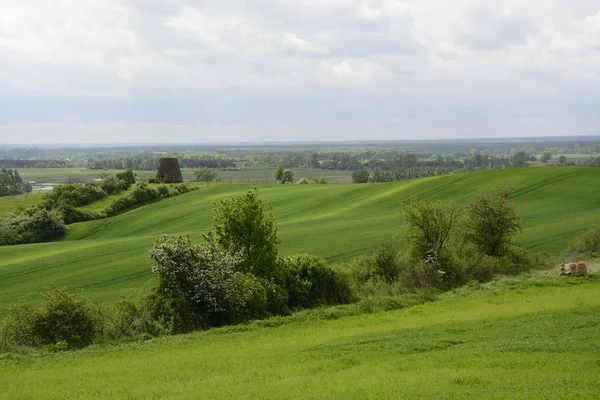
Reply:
x=261, y=176
x=514, y=339
x=109, y=258
x=12, y=203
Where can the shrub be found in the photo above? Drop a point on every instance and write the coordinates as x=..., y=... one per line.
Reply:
x=62, y=317
x=430, y=225
x=163, y=191
x=252, y=298
x=126, y=179
x=277, y=298
x=204, y=278
x=360, y=176
x=310, y=282
x=588, y=242
x=492, y=221
x=33, y=226
x=131, y=320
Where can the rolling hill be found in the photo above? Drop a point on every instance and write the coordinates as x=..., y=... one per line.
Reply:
x=109, y=258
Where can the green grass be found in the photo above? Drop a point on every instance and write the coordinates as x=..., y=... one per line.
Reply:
x=12, y=203
x=518, y=339
x=109, y=258
x=260, y=176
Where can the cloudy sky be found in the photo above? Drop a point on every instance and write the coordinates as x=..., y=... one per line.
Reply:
x=288, y=70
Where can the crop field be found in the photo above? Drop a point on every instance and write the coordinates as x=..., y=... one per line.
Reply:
x=523, y=338
x=259, y=176
x=109, y=258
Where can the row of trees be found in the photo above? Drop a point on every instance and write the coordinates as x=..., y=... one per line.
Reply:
x=12, y=184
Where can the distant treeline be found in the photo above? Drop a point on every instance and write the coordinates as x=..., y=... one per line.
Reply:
x=451, y=155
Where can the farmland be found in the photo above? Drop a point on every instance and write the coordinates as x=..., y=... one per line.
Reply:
x=109, y=258
x=499, y=340
x=255, y=176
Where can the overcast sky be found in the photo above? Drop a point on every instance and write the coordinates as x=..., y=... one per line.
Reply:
x=292, y=70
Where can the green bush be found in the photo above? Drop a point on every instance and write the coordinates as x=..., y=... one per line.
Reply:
x=62, y=317
x=381, y=264
x=133, y=320
x=430, y=225
x=32, y=226
x=587, y=243
x=277, y=298
x=492, y=221
x=310, y=282
x=253, y=298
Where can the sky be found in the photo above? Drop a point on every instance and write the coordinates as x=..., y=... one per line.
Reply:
x=133, y=71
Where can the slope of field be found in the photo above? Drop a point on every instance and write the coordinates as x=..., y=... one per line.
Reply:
x=108, y=258
x=516, y=339
x=12, y=203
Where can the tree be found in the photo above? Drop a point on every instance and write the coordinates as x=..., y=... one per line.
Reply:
x=241, y=225
x=430, y=224
x=314, y=161
x=562, y=160
x=205, y=175
x=546, y=156
x=360, y=176
x=492, y=221
x=284, y=175
x=520, y=159
x=279, y=173
x=288, y=176
x=11, y=183
x=127, y=177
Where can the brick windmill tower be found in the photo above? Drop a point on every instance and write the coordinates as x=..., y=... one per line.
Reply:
x=169, y=171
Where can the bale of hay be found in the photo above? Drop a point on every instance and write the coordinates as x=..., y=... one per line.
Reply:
x=169, y=171
x=563, y=270
x=581, y=269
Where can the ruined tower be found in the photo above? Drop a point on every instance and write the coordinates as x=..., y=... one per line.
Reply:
x=169, y=171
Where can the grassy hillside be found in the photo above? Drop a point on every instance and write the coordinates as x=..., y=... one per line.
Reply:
x=11, y=203
x=108, y=258
x=517, y=339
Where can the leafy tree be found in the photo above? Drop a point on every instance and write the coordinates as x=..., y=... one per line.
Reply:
x=562, y=160
x=127, y=177
x=284, y=175
x=288, y=176
x=492, y=221
x=279, y=173
x=11, y=183
x=314, y=161
x=360, y=176
x=241, y=225
x=430, y=224
x=546, y=156
x=205, y=175
x=520, y=159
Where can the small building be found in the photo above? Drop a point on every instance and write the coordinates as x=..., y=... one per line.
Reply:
x=169, y=171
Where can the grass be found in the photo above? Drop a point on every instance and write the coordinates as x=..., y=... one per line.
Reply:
x=520, y=339
x=12, y=203
x=259, y=176
x=109, y=258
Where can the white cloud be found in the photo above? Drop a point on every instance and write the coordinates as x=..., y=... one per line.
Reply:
x=299, y=66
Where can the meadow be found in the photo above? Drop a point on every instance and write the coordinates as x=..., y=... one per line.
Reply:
x=520, y=338
x=109, y=258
